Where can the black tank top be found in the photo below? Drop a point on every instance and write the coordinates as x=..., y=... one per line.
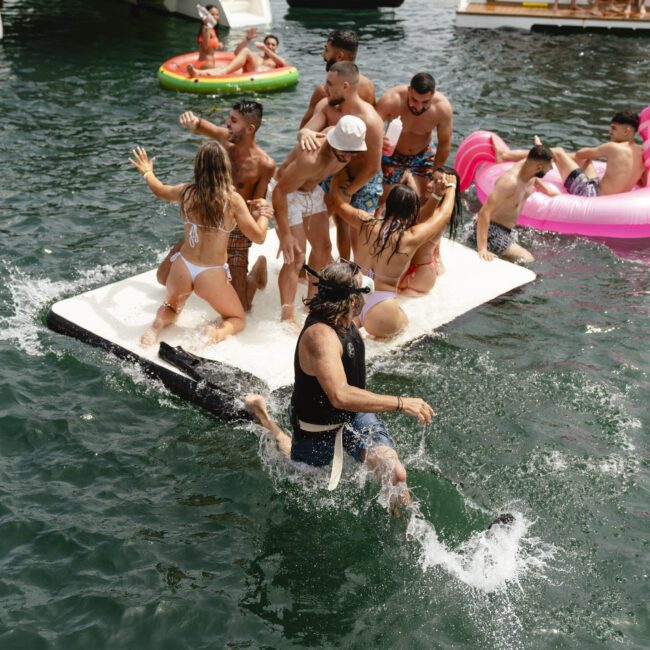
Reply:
x=309, y=401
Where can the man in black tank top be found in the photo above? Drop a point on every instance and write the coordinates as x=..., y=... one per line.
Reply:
x=329, y=396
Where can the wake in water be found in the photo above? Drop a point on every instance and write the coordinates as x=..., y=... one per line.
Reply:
x=29, y=296
x=489, y=561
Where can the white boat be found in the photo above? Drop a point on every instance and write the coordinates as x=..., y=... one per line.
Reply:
x=114, y=316
x=530, y=15
x=233, y=13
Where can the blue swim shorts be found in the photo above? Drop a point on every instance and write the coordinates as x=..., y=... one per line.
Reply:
x=367, y=198
x=317, y=449
x=419, y=164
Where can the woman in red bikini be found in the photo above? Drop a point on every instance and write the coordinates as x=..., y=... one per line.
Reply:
x=207, y=37
x=426, y=265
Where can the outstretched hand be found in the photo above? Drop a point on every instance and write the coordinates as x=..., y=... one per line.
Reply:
x=417, y=408
x=190, y=120
x=142, y=162
x=290, y=249
x=308, y=139
x=251, y=33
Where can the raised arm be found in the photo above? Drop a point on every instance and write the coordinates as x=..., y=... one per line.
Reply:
x=254, y=229
x=144, y=165
x=307, y=134
x=197, y=124
x=437, y=216
x=324, y=352
x=250, y=35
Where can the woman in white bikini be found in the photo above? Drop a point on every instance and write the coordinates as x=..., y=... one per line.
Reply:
x=210, y=208
x=426, y=265
x=384, y=246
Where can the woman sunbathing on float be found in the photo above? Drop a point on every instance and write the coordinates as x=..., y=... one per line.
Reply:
x=210, y=208
x=383, y=247
x=426, y=265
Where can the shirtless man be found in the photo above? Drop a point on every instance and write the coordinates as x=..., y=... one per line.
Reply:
x=493, y=230
x=300, y=211
x=252, y=168
x=247, y=60
x=341, y=45
x=421, y=110
x=624, y=157
x=365, y=188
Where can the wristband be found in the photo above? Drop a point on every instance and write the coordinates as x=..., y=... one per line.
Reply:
x=437, y=197
x=399, y=404
x=149, y=171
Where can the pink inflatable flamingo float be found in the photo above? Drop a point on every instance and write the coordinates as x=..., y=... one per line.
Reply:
x=618, y=215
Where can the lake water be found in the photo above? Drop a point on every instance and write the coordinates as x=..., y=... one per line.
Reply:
x=131, y=519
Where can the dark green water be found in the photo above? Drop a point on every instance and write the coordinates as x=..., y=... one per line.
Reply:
x=130, y=519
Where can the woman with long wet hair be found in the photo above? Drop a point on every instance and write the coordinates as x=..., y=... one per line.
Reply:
x=426, y=265
x=384, y=246
x=210, y=208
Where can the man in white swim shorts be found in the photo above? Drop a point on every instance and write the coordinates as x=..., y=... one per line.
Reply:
x=300, y=211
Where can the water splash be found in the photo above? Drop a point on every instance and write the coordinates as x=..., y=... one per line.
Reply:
x=489, y=561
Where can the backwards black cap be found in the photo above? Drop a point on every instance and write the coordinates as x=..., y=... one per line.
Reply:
x=333, y=290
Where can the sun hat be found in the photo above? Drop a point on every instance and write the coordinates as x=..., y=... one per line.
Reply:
x=349, y=134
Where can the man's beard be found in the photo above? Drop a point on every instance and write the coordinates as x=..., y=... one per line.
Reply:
x=416, y=113
x=335, y=101
x=329, y=63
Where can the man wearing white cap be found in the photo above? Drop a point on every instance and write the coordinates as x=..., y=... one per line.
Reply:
x=300, y=210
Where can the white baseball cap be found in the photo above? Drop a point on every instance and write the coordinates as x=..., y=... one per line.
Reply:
x=349, y=134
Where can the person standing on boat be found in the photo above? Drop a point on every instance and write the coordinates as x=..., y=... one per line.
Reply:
x=210, y=208
x=331, y=410
x=252, y=169
x=298, y=201
x=341, y=45
x=246, y=60
x=365, y=188
x=421, y=110
x=494, y=234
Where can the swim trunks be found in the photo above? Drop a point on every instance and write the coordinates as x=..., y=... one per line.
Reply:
x=238, y=247
x=300, y=204
x=498, y=239
x=317, y=449
x=367, y=197
x=579, y=184
x=419, y=164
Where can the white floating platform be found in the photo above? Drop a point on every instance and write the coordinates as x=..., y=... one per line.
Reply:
x=114, y=316
x=488, y=14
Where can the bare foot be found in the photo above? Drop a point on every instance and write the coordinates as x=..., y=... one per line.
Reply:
x=288, y=317
x=642, y=11
x=536, y=141
x=498, y=149
x=215, y=334
x=260, y=272
x=150, y=337
x=627, y=12
x=256, y=406
x=191, y=71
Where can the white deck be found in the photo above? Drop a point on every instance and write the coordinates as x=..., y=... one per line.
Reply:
x=233, y=13
x=121, y=311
